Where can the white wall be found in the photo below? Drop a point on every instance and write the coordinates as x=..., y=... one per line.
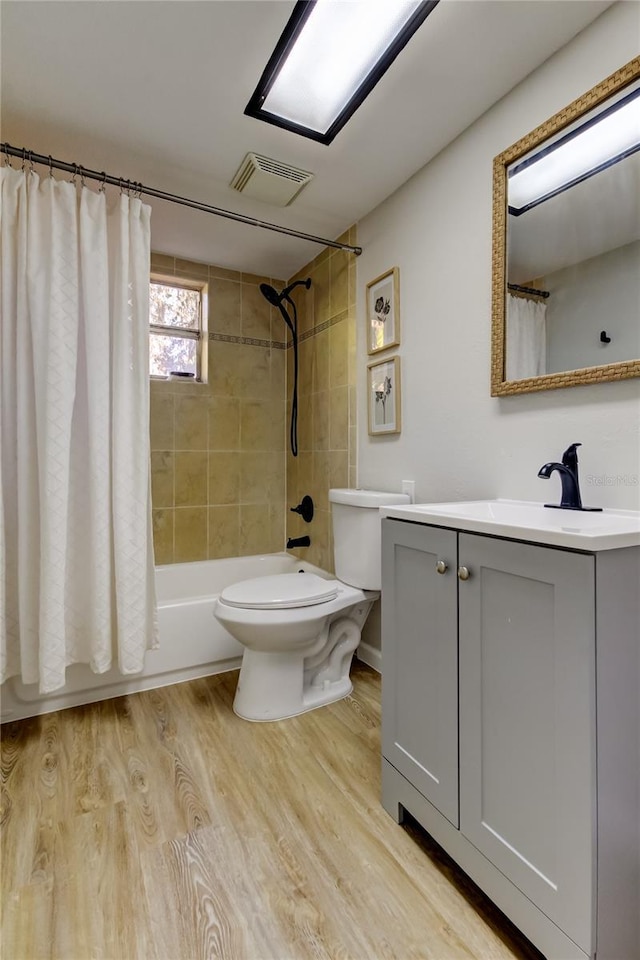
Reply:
x=600, y=293
x=457, y=442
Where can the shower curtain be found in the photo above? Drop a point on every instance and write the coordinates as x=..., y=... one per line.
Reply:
x=526, y=338
x=76, y=553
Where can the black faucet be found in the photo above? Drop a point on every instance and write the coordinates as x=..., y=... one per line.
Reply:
x=293, y=542
x=568, y=470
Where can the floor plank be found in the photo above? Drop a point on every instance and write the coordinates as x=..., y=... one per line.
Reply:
x=160, y=826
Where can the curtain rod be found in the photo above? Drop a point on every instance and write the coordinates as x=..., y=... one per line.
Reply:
x=28, y=156
x=531, y=290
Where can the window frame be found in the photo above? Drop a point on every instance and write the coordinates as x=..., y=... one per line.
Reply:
x=200, y=335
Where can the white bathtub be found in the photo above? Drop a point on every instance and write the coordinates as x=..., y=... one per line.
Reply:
x=192, y=642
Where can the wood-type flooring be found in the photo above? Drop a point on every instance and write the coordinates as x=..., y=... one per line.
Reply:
x=160, y=826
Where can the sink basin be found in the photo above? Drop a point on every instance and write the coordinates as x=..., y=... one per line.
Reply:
x=525, y=520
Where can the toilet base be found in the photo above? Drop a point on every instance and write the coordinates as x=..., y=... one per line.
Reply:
x=276, y=686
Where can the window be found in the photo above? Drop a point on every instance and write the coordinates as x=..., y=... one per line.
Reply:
x=177, y=327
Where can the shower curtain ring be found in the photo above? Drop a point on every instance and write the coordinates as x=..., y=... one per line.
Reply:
x=24, y=159
x=50, y=166
x=103, y=183
x=31, y=167
x=81, y=169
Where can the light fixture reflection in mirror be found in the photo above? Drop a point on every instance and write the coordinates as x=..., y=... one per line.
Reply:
x=566, y=245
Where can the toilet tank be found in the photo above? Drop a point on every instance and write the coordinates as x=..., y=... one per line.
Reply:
x=357, y=534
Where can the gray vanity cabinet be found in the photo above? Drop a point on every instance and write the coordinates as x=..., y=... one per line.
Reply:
x=527, y=720
x=489, y=734
x=420, y=686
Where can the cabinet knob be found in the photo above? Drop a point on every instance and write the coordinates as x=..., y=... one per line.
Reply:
x=463, y=573
x=442, y=566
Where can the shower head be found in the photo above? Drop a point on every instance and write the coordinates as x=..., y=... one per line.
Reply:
x=270, y=294
x=275, y=298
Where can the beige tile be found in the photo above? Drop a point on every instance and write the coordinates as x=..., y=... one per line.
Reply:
x=353, y=406
x=224, y=368
x=339, y=418
x=277, y=526
x=256, y=315
x=338, y=354
x=353, y=477
x=224, y=423
x=305, y=368
x=320, y=544
x=190, y=479
x=320, y=482
x=253, y=371
x=305, y=422
x=320, y=380
x=224, y=478
x=352, y=350
x=162, y=263
x=163, y=535
x=258, y=279
x=255, y=530
x=353, y=447
x=253, y=487
x=162, y=462
x=260, y=425
x=161, y=421
x=339, y=273
x=192, y=268
x=304, y=303
x=304, y=476
x=321, y=420
x=224, y=532
x=344, y=237
x=191, y=422
x=338, y=468
x=321, y=287
x=353, y=286
x=190, y=537
x=291, y=492
x=223, y=273
x=278, y=372
x=224, y=307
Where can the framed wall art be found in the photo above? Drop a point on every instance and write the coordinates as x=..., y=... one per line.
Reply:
x=383, y=396
x=383, y=312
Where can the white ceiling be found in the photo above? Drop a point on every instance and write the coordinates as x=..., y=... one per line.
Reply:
x=155, y=92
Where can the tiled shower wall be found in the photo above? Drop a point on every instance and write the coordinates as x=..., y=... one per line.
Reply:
x=217, y=449
x=223, y=477
x=327, y=395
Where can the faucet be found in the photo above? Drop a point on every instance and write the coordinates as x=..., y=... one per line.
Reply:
x=568, y=470
x=294, y=542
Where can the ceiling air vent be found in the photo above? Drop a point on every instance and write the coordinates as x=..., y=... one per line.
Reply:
x=269, y=180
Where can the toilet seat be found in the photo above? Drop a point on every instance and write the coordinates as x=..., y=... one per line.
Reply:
x=284, y=591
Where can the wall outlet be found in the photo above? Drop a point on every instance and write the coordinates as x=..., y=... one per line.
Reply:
x=409, y=486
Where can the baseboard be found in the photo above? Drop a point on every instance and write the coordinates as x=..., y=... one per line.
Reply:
x=370, y=655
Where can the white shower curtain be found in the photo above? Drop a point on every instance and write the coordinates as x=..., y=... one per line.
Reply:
x=526, y=338
x=76, y=554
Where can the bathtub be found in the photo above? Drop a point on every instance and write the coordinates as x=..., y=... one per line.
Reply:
x=191, y=641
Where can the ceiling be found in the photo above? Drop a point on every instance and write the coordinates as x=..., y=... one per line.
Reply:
x=155, y=92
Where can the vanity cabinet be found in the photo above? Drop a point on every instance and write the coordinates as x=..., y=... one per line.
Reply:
x=492, y=738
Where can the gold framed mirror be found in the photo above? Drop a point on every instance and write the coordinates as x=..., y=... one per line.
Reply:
x=566, y=245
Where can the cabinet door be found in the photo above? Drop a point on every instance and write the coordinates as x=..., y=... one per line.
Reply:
x=527, y=721
x=420, y=660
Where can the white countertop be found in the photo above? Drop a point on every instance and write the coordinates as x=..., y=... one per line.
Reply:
x=527, y=520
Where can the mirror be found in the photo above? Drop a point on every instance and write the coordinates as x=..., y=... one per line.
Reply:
x=566, y=245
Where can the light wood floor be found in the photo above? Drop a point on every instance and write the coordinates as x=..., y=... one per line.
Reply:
x=159, y=826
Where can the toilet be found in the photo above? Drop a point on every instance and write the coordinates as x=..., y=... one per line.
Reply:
x=300, y=630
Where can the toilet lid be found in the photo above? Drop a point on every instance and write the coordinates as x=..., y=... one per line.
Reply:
x=282, y=591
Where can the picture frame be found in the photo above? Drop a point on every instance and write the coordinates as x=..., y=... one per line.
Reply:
x=384, y=397
x=383, y=312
